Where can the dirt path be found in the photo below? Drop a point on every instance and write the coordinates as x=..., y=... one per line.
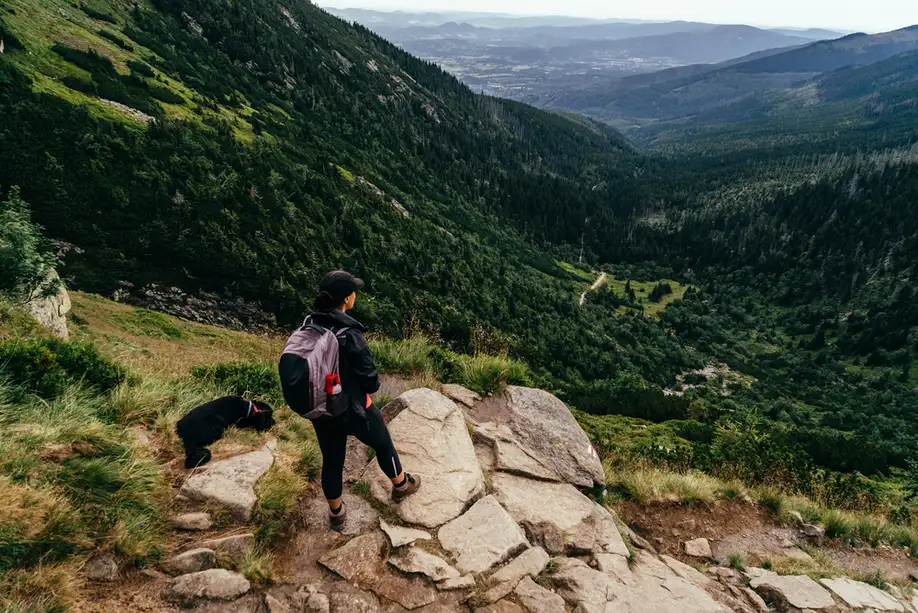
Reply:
x=599, y=281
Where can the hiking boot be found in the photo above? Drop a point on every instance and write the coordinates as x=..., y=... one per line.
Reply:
x=338, y=521
x=411, y=486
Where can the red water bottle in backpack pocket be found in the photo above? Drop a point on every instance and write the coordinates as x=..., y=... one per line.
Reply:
x=332, y=384
x=335, y=403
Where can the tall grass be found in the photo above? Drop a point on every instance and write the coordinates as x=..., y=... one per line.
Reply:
x=405, y=357
x=653, y=485
x=487, y=374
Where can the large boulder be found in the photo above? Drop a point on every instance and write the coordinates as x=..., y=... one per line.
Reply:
x=483, y=537
x=433, y=442
x=215, y=584
x=508, y=454
x=231, y=483
x=51, y=311
x=544, y=431
x=586, y=526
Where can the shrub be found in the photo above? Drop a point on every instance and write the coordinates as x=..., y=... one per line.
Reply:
x=837, y=523
x=140, y=68
x=405, y=357
x=738, y=561
x=242, y=378
x=26, y=257
x=8, y=38
x=48, y=366
x=487, y=374
x=97, y=14
x=90, y=61
x=109, y=36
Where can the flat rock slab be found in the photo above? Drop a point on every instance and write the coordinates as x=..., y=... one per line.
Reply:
x=536, y=599
x=214, y=584
x=504, y=606
x=192, y=561
x=235, y=547
x=530, y=563
x=586, y=526
x=462, y=583
x=858, y=595
x=361, y=516
x=545, y=428
x=231, y=483
x=797, y=591
x=418, y=561
x=360, y=562
x=400, y=536
x=483, y=537
x=433, y=442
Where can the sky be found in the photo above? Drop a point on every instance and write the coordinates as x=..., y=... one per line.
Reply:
x=860, y=15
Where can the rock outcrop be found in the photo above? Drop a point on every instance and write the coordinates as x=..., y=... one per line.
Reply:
x=483, y=537
x=433, y=442
x=51, y=311
x=231, y=482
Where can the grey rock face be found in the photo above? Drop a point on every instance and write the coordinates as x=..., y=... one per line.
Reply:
x=483, y=537
x=231, y=482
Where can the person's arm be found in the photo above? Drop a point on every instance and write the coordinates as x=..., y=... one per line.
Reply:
x=361, y=361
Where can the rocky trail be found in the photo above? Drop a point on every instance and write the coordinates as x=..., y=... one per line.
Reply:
x=596, y=285
x=502, y=524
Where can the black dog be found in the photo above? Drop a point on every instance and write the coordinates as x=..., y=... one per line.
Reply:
x=205, y=425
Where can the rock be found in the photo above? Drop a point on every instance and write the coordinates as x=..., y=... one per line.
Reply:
x=361, y=516
x=355, y=460
x=482, y=537
x=692, y=575
x=796, y=591
x=103, y=567
x=51, y=311
x=418, y=561
x=504, y=606
x=786, y=544
x=545, y=535
x=798, y=554
x=724, y=574
x=460, y=395
x=359, y=561
x=498, y=592
x=276, y=606
x=859, y=595
x=755, y=600
x=510, y=455
x=399, y=536
x=462, y=583
x=433, y=442
x=317, y=603
x=537, y=599
x=351, y=600
x=638, y=541
x=547, y=431
x=588, y=526
x=215, y=584
x=580, y=585
x=615, y=566
x=698, y=548
x=192, y=521
x=812, y=531
x=530, y=563
x=235, y=547
x=192, y=561
x=231, y=482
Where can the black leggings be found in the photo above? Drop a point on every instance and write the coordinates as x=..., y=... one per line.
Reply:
x=332, y=433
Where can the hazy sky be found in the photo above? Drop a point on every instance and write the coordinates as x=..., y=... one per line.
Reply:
x=860, y=15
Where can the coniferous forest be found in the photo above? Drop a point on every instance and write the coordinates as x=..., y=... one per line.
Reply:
x=760, y=310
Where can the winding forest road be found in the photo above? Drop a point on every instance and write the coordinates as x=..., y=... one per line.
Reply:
x=593, y=288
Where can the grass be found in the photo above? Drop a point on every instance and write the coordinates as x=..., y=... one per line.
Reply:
x=737, y=561
x=486, y=374
x=278, y=492
x=406, y=357
x=258, y=567
x=646, y=486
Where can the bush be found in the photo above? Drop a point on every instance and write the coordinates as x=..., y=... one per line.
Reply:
x=90, y=61
x=48, y=366
x=8, y=38
x=140, y=68
x=97, y=14
x=242, y=379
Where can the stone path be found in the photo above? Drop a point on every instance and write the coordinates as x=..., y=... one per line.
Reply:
x=500, y=525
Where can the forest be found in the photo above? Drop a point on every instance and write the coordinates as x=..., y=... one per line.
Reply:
x=278, y=144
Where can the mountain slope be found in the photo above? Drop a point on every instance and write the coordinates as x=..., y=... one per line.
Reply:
x=690, y=91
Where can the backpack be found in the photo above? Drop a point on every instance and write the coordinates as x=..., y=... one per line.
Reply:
x=308, y=372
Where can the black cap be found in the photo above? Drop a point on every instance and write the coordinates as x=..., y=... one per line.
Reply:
x=335, y=287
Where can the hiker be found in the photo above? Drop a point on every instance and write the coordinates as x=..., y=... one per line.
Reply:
x=327, y=374
x=204, y=425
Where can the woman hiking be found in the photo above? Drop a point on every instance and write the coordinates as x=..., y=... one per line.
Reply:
x=358, y=379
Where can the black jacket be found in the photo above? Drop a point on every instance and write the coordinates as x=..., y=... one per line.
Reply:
x=355, y=362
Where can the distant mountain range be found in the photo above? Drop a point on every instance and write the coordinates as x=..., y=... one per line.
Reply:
x=731, y=90
x=534, y=58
